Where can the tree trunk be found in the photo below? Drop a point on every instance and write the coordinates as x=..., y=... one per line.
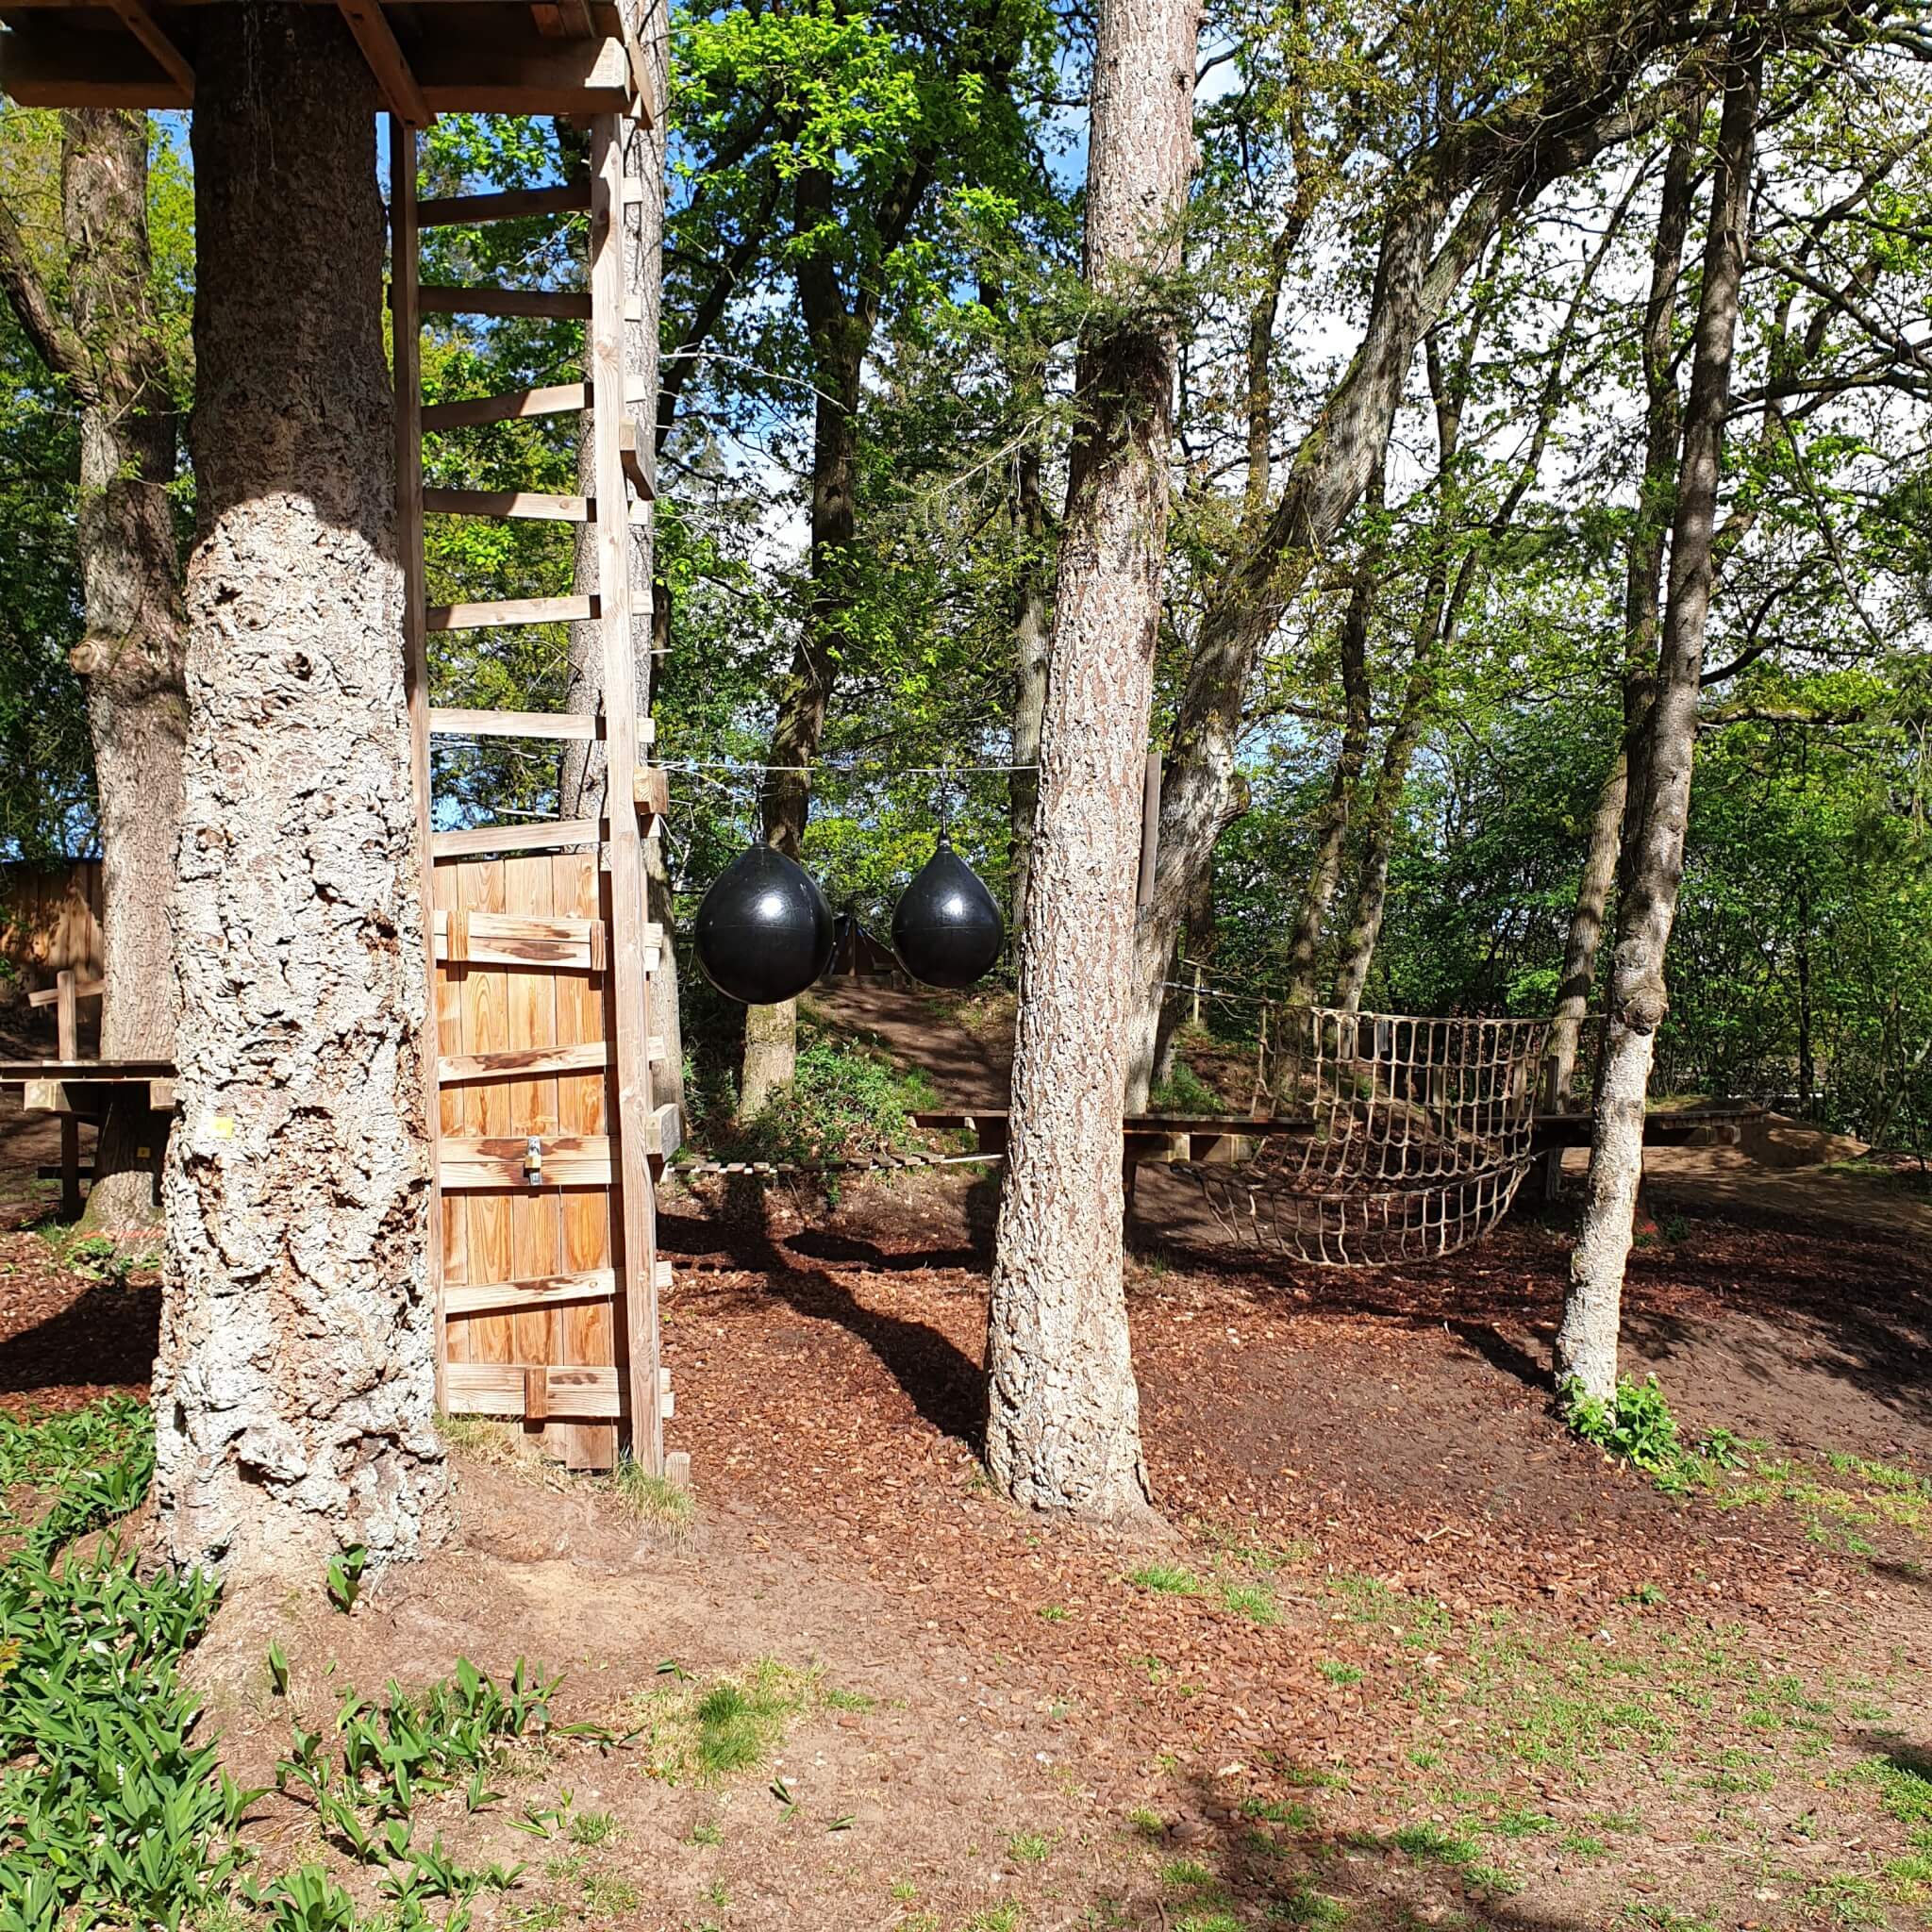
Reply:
x=1378, y=843
x=1663, y=431
x=1586, y=1341
x=1031, y=637
x=1331, y=823
x=1063, y=1428
x=1580, y=944
x=133, y=652
x=838, y=342
x=296, y=1391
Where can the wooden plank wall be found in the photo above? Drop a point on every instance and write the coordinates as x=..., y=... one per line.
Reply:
x=50, y=919
x=546, y=1237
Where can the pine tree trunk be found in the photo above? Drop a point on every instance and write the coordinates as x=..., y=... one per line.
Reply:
x=1063, y=1430
x=132, y=654
x=294, y=1394
x=1588, y=1339
x=1031, y=639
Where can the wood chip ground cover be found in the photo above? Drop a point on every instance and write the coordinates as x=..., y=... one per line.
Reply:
x=1414, y=1656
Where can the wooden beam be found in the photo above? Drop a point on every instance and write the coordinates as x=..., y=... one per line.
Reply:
x=573, y=726
x=497, y=1389
x=635, y=1121
x=541, y=1291
x=52, y=995
x=135, y=16
x=654, y=790
x=69, y=1033
x=523, y=73
x=543, y=506
x=555, y=304
x=404, y=244
x=517, y=939
x=471, y=1164
x=456, y=1068
x=374, y=35
x=554, y=834
x=59, y=66
x=633, y=461
x=512, y=205
x=511, y=611
x=553, y=399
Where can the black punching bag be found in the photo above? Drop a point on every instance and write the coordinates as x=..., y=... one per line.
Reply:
x=764, y=931
x=946, y=929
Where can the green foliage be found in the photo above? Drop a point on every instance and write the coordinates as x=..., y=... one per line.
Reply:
x=109, y=1806
x=1637, y=1427
x=344, y=1582
x=846, y=1100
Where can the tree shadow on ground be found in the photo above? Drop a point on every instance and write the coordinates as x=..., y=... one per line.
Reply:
x=946, y=1388
x=1222, y=1862
x=106, y=1337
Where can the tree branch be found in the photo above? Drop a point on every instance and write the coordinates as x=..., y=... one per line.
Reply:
x=54, y=339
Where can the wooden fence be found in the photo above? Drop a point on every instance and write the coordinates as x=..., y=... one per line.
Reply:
x=50, y=919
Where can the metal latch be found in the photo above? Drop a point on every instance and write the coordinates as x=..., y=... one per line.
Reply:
x=533, y=1160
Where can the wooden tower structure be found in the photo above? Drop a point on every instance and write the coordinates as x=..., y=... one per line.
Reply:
x=542, y=957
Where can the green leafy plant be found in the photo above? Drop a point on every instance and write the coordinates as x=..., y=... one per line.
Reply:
x=1637, y=1427
x=345, y=1577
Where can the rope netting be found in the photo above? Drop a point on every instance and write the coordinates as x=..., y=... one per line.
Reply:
x=1407, y=1139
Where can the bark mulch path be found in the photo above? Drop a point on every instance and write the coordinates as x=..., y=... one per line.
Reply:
x=1413, y=1657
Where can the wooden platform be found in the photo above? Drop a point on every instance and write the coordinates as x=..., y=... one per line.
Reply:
x=437, y=57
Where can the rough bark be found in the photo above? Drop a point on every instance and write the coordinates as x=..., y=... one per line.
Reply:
x=581, y=773
x=1063, y=1418
x=294, y=1394
x=132, y=654
x=1662, y=436
x=1484, y=168
x=1587, y=1340
x=1031, y=640
x=1331, y=821
x=1580, y=943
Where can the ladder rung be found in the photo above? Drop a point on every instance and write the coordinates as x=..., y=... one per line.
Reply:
x=555, y=399
x=453, y=210
x=559, y=305
x=512, y=611
x=633, y=461
x=543, y=505
x=556, y=724
x=524, y=838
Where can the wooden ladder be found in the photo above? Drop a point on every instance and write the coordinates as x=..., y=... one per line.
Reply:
x=542, y=964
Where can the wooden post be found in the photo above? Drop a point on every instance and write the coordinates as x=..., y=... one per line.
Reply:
x=1150, y=827
x=67, y=1019
x=408, y=415
x=1197, y=993
x=623, y=849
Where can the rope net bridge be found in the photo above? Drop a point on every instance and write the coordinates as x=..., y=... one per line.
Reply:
x=1394, y=1138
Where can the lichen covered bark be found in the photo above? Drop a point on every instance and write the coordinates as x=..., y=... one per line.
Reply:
x=294, y=1394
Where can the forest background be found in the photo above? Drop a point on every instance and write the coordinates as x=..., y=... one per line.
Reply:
x=870, y=314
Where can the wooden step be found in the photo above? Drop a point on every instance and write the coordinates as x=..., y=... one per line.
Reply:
x=549, y=834
x=516, y=204
x=519, y=939
x=542, y=1291
x=552, y=399
x=468, y=1165
x=555, y=304
x=572, y=726
x=508, y=1389
x=542, y=505
x=532, y=1062
x=511, y=611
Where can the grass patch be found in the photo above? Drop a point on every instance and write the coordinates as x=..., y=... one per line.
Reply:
x=1029, y=1848
x=653, y=1499
x=704, y=1734
x=1339, y=1672
x=1166, y=1579
x=1254, y=1601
